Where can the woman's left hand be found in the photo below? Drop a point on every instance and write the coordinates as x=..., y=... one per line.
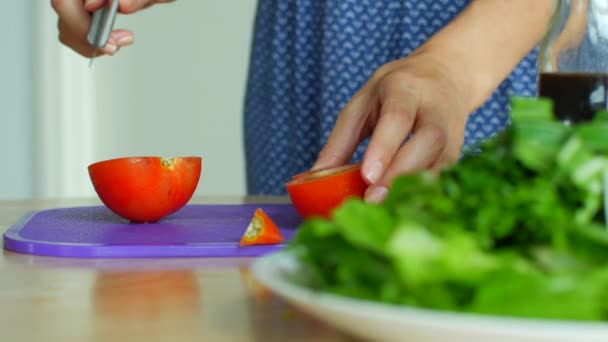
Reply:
x=416, y=95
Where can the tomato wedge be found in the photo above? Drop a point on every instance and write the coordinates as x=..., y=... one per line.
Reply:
x=318, y=193
x=145, y=189
x=261, y=231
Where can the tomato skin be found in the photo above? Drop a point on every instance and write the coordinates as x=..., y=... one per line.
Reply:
x=145, y=189
x=318, y=193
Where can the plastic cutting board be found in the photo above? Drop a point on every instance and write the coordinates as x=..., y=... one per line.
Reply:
x=96, y=232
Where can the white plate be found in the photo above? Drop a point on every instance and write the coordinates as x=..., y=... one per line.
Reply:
x=376, y=321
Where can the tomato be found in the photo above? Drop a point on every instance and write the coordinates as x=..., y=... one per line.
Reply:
x=261, y=231
x=145, y=189
x=318, y=193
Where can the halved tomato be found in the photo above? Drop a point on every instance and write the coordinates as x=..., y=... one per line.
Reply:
x=319, y=192
x=145, y=189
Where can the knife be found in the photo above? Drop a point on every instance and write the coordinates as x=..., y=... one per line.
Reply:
x=101, y=26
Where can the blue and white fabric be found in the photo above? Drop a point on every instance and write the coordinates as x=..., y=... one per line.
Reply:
x=310, y=56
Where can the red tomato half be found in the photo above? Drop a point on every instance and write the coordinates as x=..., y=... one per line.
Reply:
x=318, y=193
x=145, y=189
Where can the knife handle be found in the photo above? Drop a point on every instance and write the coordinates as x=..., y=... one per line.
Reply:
x=102, y=24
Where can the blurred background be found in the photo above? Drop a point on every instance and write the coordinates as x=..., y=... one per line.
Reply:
x=179, y=90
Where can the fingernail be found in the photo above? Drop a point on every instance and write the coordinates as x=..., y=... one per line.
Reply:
x=111, y=49
x=125, y=41
x=373, y=172
x=376, y=194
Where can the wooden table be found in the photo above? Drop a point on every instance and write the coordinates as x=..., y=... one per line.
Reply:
x=175, y=299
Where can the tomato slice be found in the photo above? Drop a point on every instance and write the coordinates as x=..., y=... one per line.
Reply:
x=261, y=231
x=145, y=189
x=319, y=192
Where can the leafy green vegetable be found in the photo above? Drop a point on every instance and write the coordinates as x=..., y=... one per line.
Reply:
x=355, y=221
x=517, y=229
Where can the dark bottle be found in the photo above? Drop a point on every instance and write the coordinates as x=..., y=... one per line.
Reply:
x=573, y=59
x=576, y=97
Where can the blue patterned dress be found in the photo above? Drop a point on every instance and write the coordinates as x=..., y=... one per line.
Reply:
x=310, y=56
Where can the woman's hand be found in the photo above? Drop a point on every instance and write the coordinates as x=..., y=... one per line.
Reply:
x=416, y=95
x=431, y=93
x=75, y=18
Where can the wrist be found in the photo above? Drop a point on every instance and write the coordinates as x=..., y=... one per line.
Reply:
x=481, y=46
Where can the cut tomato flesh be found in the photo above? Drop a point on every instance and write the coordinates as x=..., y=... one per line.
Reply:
x=261, y=231
x=319, y=192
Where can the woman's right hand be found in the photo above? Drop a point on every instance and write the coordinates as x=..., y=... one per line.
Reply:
x=75, y=18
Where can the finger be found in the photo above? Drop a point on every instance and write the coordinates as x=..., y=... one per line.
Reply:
x=73, y=18
x=447, y=158
x=110, y=48
x=453, y=149
x=122, y=38
x=131, y=6
x=82, y=47
x=73, y=41
x=93, y=5
x=85, y=49
x=419, y=153
x=348, y=131
x=117, y=39
x=397, y=116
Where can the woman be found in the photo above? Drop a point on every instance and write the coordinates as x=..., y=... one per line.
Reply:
x=327, y=74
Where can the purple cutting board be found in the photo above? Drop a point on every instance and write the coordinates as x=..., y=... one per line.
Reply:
x=96, y=232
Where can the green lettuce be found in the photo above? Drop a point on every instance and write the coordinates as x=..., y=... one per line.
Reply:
x=517, y=229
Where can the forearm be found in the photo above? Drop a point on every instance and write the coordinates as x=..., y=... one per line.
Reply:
x=483, y=44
